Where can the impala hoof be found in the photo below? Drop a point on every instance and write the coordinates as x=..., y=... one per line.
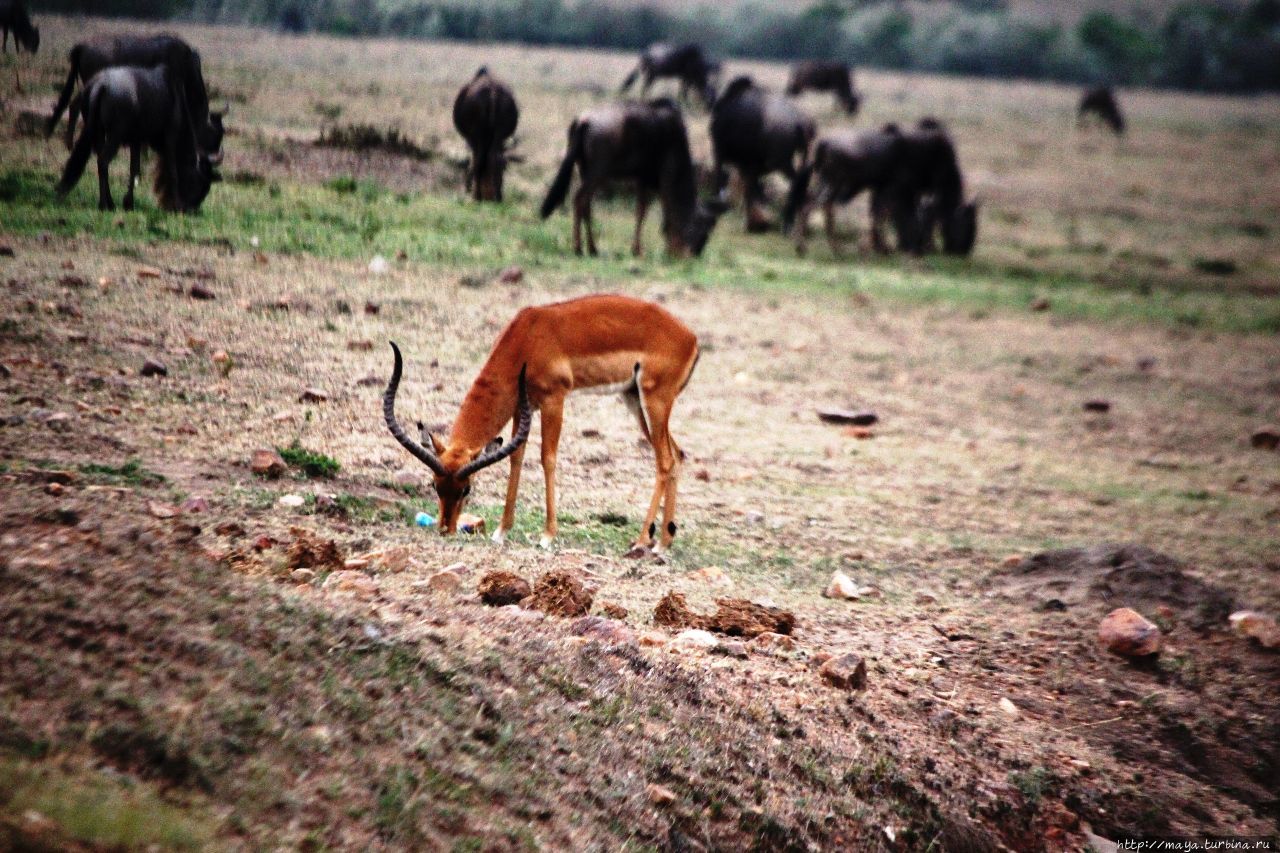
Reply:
x=545, y=542
x=499, y=536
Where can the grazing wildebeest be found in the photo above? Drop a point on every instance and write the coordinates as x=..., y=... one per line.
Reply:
x=486, y=115
x=137, y=107
x=825, y=76
x=844, y=165
x=687, y=62
x=14, y=17
x=144, y=51
x=1101, y=102
x=758, y=133
x=926, y=193
x=642, y=142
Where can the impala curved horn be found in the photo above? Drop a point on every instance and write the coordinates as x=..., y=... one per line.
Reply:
x=524, y=420
x=426, y=457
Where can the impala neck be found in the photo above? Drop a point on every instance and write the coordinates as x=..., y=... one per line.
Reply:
x=486, y=409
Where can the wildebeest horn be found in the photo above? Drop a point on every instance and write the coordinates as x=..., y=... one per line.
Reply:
x=426, y=457
x=524, y=420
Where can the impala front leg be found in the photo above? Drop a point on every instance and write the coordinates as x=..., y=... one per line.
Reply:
x=552, y=415
x=513, y=487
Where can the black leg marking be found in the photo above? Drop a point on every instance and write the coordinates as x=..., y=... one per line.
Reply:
x=671, y=528
x=653, y=528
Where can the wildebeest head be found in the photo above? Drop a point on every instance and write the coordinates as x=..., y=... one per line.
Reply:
x=960, y=229
x=210, y=136
x=700, y=225
x=29, y=39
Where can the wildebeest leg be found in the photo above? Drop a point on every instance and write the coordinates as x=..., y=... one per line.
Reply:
x=879, y=211
x=106, y=153
x=642, y=207
x=579, y=206
x=135, y=169
x=591, y=235
x=754, y=194
x=829, y=223
x=648, y=81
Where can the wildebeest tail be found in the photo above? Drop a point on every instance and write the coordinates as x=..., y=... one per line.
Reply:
x=631, y=78
x=64, y=97
x=797, y=195
x=83, y=148
x=560, y=186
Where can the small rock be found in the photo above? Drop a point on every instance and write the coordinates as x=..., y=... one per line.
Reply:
x=694, y=639
x=846, y=416
x=369, y=381
x=703, y=475
x=1125, y=632
x=603, y=630
x=55, y=489
x=499, y=588
x=841, y=586
x=267, y=463
x=263, y=543
x=1100, y=406
x=6, y=251
x=926, y=598
x=291, y=501
x=613, y=610
x=860, y=433
x=848, y=672
x=313, y=395
x=302, y=575
x=712, y=576
x=360, y=346
x=1146, y=364
x=162, y=510
x=659, y=795
x=355, y=583
x=653, y=638
x=372, y=308
x=1266, y=439
x=74, y=281
x=1256, y=626
x=195, y=503
x=1007, y=706
x=379, y=265
x=771, y=642
x=152, y=367
x=199, y=291
x=1040, y=303
x=444, y=581
x=754, y=516
x=229, y=528
x=511, y=275
x=734, y=649
x=148, y=272
x=1012, y=561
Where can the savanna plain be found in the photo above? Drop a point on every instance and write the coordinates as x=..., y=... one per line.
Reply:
x=170, y=681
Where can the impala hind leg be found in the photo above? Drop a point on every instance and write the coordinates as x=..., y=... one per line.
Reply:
x=513, y=487
x=666, y=457
x=552, y=410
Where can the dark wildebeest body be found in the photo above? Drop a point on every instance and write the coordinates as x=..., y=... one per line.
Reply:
x=1101, y=102
x=26, y=36
x=144, y=51
x=486, y=115
x=642, y=142
x=825, y=76
x=687, y=63
x=926, y=194
x=845, y=164
x=757, y=133
x=137, y=107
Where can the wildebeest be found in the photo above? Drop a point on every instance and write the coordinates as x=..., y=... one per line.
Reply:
x=757, y=133
x=642, y=142
x=825, y=76
x=486, y=115
x=137, y=107
x=1101, y=102
x=26, y=36
x=145, y=51
x=687, y=63
x=914, y=179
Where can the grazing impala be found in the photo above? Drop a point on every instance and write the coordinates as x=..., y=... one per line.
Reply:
x=600, y=341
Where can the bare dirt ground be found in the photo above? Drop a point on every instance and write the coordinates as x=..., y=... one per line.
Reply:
x=154, y=657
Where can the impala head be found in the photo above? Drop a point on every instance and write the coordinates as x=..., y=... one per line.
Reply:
x=452, y=466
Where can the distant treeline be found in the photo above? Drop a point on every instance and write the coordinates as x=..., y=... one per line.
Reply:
x=1210, y=46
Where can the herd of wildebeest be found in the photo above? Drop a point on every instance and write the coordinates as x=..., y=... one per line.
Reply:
x=147, y=91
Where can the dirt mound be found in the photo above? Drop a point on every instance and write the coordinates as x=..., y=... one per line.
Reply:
x=499, y=588
x=1118, y=575
x=736, y=617
x=308, y=551
x=560, y=593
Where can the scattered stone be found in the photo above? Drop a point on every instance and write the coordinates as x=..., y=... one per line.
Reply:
x=511, y=275
x=379, y=265
x=1007, y=706
x=1266, y=439
x=1146, y=364
x=754, y=516
x=711, y=575
x=559, y=592
x=308, y=551
x=613, y=610
x=360, y=346
x=267, y=463
x=1040, y=303
x=369, y=381
x=733, y=649
x=659, y=795
x=313, y=395
x=372, y=308
x=1100, y=406
x=1012, y=561
x=846, y=416
x=204, y=294
x=703, y=475
x=162, y=510
x=860, y=433
x=195, y=503
x=841, y=586
x=6, y=251
x=1256, y=626
x=302, y=575
x=770, y=642
x=1125, y=632
x=263, y=543
x=847, y=672
x=653, y=638
x=602, y=629
x=74, y=281
x=152, y=367
x=148, y=272
x=444, y=581
x=355, y=583
x=738, y=617
x=924, y=599
x=55, y=489
x=499, y=588
x=291, y=501
x=694, y=639
x=232, y=529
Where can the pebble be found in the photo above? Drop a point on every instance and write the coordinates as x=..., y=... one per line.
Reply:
x=1125, y=632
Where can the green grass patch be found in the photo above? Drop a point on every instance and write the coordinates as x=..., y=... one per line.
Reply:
x=311, y=463
x=131, y=473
